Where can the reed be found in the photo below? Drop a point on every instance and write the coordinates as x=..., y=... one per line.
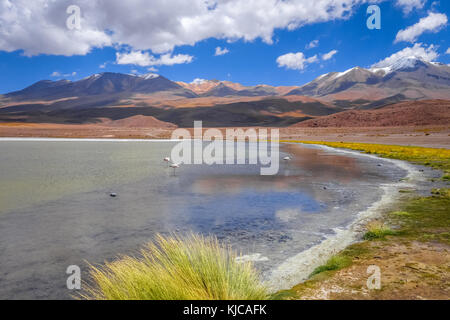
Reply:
x=176, y=268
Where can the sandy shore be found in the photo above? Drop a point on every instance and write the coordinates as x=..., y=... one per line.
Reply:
x=433, y=137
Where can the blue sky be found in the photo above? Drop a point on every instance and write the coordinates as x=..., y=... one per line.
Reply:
x=252, y=57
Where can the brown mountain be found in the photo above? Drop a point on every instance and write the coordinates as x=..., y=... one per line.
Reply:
x=408, y=78
x=116, y=96
x=98, y=85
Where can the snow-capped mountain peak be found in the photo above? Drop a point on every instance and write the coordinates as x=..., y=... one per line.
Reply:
x=94, y=76
x=402, y=63
x=150, y=76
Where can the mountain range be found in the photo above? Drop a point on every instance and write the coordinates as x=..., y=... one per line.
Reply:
x=117, y=96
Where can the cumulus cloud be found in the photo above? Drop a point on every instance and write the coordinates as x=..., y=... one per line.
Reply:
x=295, y=61
x=448, y=51
x=145, y=59
x=39, y=26
x=169, y=60
x=138, y=58
x=410, y=5
x=432, y=23
x=312, y=44
x=329, y=55
x=418, y=50
x=221, y=51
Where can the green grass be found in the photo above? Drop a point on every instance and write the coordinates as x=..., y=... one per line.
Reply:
x=426, y=218
x=400, y=213
x=174, y=268
x=334, y=263
x=377, y=230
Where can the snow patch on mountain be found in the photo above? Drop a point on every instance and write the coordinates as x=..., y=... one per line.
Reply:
x=150, y=76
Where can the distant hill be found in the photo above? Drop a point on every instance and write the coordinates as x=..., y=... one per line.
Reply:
x=409, y=113
x=216, y=88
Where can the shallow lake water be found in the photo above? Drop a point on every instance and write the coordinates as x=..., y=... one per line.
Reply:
x=56, y=209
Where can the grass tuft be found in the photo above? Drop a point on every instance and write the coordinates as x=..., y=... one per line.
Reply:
x=377, y=230
x=441, y=193
x=401, y=213
x=334, y=263
x=175, y=268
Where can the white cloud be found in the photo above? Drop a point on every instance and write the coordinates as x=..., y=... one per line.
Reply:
x=169, y=60
x=144, y=59
x=138, y=58
x=448, y=51
x=152, y=69
x=410, y=5
x=295, y=61
x=221, y=51
x=423, y=52
x=198, y=81
x=40, y=26
x=312, y=44
x=433, y=23
x=329, y=55
x=103, y=65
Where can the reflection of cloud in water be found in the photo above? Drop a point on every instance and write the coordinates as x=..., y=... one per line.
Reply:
x=288, y=214
x=320, y=165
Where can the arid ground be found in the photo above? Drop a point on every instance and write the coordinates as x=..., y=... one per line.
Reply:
x=426, y=136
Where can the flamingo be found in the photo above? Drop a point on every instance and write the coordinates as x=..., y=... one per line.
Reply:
x=287, y=159
x=175, y=166
x=167, y=159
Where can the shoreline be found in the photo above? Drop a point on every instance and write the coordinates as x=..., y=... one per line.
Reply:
x=49, y=139
x=413, y=256
x=288, y=274
x=423, y=136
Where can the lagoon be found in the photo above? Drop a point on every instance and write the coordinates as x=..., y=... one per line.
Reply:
x=56, y=209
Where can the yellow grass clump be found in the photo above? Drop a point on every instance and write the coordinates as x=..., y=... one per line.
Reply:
x=377, y=230
x=175, y=268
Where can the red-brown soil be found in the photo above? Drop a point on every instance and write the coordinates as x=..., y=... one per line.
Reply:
x=410, y=113
x=139, y=121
